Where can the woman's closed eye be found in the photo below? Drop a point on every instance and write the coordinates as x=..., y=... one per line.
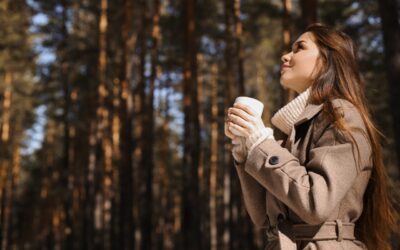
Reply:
x=298, y=47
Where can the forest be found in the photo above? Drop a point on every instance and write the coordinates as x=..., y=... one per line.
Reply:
x=112, y=113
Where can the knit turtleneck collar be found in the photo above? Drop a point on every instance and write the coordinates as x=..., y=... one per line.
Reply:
x=288, y=114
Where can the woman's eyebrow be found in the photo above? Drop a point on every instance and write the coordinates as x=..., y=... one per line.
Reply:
x=296, y=43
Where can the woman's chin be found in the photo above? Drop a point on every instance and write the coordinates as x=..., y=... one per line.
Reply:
x=284, y=83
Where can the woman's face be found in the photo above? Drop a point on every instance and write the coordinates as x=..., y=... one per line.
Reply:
x=300, y=65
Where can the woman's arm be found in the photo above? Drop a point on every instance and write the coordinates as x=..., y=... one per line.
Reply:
x=314, y=190
x=253, y=196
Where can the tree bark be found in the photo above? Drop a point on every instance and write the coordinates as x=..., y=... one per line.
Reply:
x=229, y=53
x=308, y=12
x=239, y=46
x=145, y=166
x=127, y=224
x=391, y=38
x=6, y=163
x=214, y=158
x=191, y=222
x=67, y=175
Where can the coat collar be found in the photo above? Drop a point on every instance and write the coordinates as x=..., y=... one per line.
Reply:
x=309, y=112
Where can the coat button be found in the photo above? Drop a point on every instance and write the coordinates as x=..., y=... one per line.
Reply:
x=273, y=160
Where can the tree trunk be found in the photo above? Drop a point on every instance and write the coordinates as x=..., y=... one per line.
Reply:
x=126, y=225
x=391, y=39
x=308, y=12
x=235, y=88
x=229, y=53
x=239, y=47
x=67, y=176
x=105, y=198
x=6, y=164
x=191, y=222
x=146, y=160
x=214, y=158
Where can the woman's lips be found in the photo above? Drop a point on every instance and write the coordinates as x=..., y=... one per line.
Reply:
x=283, y=67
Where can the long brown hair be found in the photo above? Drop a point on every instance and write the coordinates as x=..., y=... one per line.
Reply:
x=339, y=77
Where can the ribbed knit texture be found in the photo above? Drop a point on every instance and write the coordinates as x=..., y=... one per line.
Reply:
x=288, y=114
x=259, y=136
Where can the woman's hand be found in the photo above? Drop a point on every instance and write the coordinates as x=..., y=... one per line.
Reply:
x=239, y=150
x=243, y=122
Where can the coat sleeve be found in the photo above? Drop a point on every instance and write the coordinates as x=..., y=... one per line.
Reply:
x=253, y=196
x=312, y=191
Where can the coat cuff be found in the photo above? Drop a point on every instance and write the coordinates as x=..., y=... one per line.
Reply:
x=267, y=155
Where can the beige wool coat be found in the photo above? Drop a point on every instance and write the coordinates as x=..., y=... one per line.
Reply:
x=306, y=189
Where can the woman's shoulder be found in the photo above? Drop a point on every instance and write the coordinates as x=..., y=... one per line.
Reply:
x=349, y=114
x=346, y=109
x=344, y=105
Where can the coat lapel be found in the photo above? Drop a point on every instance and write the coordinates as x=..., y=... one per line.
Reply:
x=309, y=112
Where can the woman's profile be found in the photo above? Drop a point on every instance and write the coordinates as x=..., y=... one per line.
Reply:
x=316, y=179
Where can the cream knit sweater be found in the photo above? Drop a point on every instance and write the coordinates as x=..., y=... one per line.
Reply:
x=288, y=114
x=283, y=119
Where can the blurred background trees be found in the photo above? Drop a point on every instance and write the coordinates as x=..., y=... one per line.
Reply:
x=111, y=113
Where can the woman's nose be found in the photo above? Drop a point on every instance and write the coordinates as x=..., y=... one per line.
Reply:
x=286, y=57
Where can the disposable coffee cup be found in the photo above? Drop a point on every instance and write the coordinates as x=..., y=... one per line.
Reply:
x=253, y=103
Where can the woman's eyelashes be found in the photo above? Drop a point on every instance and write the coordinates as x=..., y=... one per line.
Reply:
x=297, y=48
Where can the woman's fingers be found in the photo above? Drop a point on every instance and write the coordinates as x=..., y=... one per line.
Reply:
x=239, y=121
x=238, y=130
x=228, y=133
x=245, y=108
x=241, y=113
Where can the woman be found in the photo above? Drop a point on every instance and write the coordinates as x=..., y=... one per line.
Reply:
x=316, y=180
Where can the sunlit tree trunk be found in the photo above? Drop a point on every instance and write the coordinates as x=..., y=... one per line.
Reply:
x=103, y=161
x=6, y=162
x=104, y=201
x=16, y=169
x=214, y=158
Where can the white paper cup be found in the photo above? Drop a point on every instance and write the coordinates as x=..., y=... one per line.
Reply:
x=254, y=104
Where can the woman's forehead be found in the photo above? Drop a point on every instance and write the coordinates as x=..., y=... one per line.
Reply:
x=306, y=37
